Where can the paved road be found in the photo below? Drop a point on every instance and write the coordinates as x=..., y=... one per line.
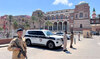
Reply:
x=85, y=49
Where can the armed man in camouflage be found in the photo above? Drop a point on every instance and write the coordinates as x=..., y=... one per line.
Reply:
x=18, y=53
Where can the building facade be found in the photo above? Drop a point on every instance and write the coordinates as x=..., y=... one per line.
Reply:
x=77, y=19
x=38, y=20
x=82, y=17
x=95, y=22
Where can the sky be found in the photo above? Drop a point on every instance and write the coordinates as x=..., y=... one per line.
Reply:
x=26, y=7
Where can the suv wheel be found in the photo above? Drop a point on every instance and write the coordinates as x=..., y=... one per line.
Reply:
x=28, y=42
x=50, y=45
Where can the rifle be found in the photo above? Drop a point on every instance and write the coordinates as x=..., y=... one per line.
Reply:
x=21, y=51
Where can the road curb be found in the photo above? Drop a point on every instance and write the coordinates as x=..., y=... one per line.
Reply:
x=4, y=45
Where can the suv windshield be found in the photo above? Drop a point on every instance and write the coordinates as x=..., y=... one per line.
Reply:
x=48, y=33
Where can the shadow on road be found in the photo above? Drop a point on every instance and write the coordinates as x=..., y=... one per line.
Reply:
x=74, y=48
x=57, y=49
x=68, y=52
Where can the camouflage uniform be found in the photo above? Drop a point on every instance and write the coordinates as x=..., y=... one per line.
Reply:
x=12, y=46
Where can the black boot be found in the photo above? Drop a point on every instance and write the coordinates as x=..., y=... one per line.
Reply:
x=71, y=46
x=65, y=50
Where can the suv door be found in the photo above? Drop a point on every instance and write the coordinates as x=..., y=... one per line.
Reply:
x=42, y=38
x=33, y=36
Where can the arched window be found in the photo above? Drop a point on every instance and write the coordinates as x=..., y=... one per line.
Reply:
x=81, y=15
x=81, y=26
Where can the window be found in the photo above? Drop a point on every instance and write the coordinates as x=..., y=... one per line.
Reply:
x=66, y=11
x=76, y=16
x=48, y=33
x=61, y=11
x=97, y=21
x=32, y=32
x=40, y=33
x=66, y=17
x=35, y=32
x=48, y=18
x=81, y=15
x=86, y=15
x=6, y=23
x=57, y=17
x=61, y=16
x=80, y=25
x=72, y=17
x=92, y=21
x=52, y=17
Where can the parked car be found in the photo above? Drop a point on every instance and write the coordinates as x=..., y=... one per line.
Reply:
x=43, y=37
x=61, y=34
x=95, y=33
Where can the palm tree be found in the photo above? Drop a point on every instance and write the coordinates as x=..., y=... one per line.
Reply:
x=15, y=25
x=10, y=20
x=1, y=28
x=40, y=19
x=34, y=19
x=48, y=23
x=23, y=19
x=26, y=25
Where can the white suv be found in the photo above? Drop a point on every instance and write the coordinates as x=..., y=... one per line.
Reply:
x=43, y=37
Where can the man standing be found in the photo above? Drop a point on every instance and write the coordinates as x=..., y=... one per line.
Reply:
x=72, y=36
x=18, y=53
x=65, y=42
x=79, y=36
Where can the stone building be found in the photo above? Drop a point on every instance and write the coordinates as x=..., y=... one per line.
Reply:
x=77, y=19
x=22, y=20
x=82, y=17
x=39, y=19
x=61, y=19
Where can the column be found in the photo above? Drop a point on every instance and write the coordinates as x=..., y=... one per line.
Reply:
x=68, y=29
x=52, y=27
x=62, y=26
x=57, y=26
x=44, y=25
x=48, y=27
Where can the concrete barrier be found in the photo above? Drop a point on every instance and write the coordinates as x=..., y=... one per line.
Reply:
x=5, y=41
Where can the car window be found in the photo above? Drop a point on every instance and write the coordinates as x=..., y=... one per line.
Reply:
x=32, y=32
x=35, y=32
x=48, y=33
x=40, y=33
